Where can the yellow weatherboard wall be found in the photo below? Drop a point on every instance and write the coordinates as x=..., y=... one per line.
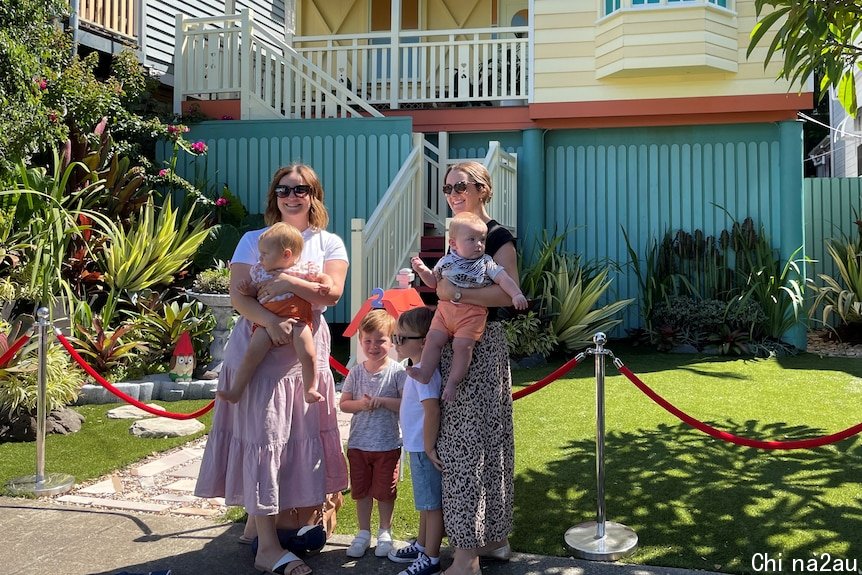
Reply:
x=330, y=17
x=674, y=50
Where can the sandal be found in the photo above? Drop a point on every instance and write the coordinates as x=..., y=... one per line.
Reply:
x=283, y=566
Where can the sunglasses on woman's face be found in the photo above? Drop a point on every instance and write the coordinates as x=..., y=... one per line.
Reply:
x=299, y=191
x=457, y=187
x=402, y=339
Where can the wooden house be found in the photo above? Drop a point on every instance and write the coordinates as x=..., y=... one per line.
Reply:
x=594, y=116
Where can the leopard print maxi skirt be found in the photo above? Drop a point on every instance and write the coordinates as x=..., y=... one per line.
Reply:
x=477, y=447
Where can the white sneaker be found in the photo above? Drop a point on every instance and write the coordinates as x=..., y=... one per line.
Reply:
x=384, y=543
x=359, y=545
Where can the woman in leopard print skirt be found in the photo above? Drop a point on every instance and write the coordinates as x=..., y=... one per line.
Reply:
x=476, y=444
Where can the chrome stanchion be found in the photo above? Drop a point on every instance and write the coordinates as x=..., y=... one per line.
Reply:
x=601, y=540
x=41, y=483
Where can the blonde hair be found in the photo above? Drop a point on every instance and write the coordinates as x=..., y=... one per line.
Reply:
x=284, y=236
x=378, y=320
x=417, y=320
x=479, y=173
x=465, y=221
x=318, y=217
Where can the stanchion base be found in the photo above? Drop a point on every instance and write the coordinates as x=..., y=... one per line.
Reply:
x=51, y=484
x=618, y=541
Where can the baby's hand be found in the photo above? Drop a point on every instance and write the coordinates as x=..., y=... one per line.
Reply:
x=520, y=302
x=245, y=287
x=325, y=284
x=418, y=265
x=449, y=392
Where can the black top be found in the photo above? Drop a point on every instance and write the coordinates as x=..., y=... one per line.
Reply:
x=498, y=236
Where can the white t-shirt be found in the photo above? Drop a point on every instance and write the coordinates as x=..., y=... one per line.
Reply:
x=319, y=247
x=412, y=413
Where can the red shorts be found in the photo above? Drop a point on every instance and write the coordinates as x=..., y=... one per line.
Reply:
x=373, y=473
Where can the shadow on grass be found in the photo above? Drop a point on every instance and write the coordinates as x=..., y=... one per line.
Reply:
x=700, y=503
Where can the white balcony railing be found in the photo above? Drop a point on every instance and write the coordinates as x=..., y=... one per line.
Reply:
x=229, y=57
x=119, y=17
x=426, y=66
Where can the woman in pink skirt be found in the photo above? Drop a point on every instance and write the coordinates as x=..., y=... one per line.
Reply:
x=272, y=452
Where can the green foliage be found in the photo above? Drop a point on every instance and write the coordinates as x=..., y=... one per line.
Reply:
x=528, y=335
x=738, y=265
x=33, y=54
x=570, y=298
x=687, y=320
x=20, y=377
x=842, y=298
x=813, y=36
x=161, y=324
x=106, y=349
x=150, y=254
x=213, y=280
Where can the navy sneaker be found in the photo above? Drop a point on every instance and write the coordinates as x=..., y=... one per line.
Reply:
x=407, y=554
x=422, y=566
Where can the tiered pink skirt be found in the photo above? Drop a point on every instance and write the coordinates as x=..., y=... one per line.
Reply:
x=271, y=451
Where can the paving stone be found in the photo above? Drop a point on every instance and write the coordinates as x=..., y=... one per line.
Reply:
x=198, y=511
x=163, y=427
x=132, y=412
x=176, y=498
x=182, y=485
x=164, y=463
x=105, y=487
x=190, y=470
x=115, y=504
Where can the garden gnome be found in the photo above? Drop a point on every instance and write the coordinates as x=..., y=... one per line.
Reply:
x=183, y=359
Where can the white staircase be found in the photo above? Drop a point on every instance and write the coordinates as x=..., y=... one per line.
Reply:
x=232, y=57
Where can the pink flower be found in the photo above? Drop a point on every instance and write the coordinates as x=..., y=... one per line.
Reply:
x=53, y=116
x=199, y=148
x=43, y=84
x=164, y=172
x=221, y=202
x=173, y=129
x=185, y=128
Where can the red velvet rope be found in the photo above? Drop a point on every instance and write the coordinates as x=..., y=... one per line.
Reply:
x=553, y=376
x=124, y=396
x=337, y=366
x=10, y=353
x=729, y=437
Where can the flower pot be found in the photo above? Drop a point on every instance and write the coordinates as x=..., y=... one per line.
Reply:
x=222, y=309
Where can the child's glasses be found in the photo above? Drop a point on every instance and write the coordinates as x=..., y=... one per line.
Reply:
x=299, y=191
x=402, y=339
x=457, y=187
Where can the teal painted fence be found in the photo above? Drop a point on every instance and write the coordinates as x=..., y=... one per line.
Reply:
x=832, y=206
x=356, y=160
x=650, y=180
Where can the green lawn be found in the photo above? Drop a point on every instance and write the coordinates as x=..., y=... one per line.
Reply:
x=101, y=446
x=694, y=501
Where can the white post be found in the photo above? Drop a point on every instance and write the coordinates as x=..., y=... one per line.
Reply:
x=179, y=65
x=289, y=21
x=358, y=293
x=395, y=55
x=441, y=206
x=245, y=66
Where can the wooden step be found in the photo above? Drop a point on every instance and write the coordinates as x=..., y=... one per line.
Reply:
x=432, y=244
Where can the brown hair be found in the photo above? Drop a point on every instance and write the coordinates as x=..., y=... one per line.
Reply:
x=318, y=217
x=378, y=320
x=417, y=320
x=479, y=173
x=285, y=236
